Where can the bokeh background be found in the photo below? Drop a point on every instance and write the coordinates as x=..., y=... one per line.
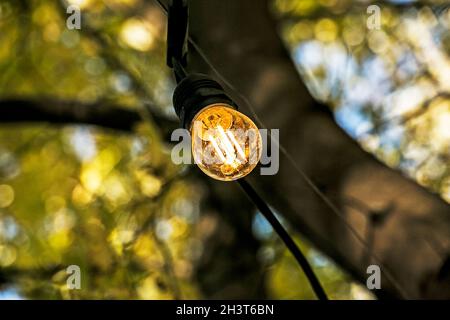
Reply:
x=140, y=227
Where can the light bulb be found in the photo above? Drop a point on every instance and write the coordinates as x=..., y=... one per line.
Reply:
x=226, y=144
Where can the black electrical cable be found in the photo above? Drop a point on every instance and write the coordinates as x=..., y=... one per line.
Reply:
x=179, y=71
x=282, y=233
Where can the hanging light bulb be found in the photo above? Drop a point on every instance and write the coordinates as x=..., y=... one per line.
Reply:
x=226, y=144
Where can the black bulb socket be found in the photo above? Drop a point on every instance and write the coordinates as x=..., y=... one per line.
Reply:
x=196, y=92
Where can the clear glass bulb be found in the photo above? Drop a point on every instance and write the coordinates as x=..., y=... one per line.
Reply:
x=226, y=144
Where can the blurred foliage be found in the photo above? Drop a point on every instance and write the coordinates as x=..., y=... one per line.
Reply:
x=114, y=204
x=389, y=87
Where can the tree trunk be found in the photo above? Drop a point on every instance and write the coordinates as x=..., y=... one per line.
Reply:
x=404, y=226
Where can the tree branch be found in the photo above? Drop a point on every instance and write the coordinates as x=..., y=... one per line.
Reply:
x=66, y=112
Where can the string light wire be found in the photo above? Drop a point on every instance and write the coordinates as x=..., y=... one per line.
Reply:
x=288, y=241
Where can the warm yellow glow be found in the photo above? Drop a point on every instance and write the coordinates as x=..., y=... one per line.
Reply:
x=118, y=3
x=91, y=179
x=60, y=240
x=378, y=41
x=149, y=289
x=150, y=185
x=326, y=30
x=6, y=195
x=226, y=144
x=119, y=238
x=353, y=35
x=8, y=255
x=82, y=4
x=137, y=35
x=440, y=131
x=80, y=196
